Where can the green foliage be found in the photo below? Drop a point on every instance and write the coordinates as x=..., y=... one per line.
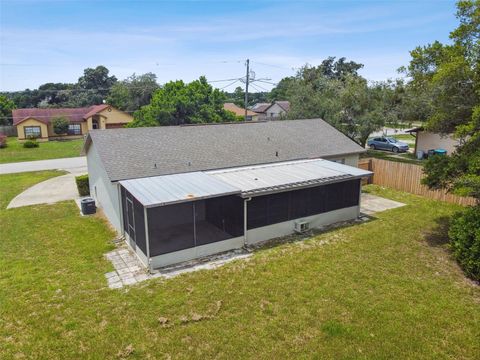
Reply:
x=6, y=107
x=281, y=91
x=60, y=125
x=450, y=76
x=238, y=97
x=178, y=103
x=335, y=93
x=91, y=89
x=133, y=92
x=29, y=144
x=83, y=185
x=464, y=236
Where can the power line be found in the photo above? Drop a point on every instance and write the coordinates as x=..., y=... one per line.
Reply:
x=228, y=85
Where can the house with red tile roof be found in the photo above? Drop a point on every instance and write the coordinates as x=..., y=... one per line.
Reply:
x=237, y=110
x=38, y=123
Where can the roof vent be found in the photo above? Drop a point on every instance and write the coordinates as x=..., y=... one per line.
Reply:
x=155, y=165
x=276, y=153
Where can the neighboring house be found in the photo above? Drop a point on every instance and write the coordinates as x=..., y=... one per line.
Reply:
x=182, y=192
x=37, y=123
x=237, y=110
x=426, y=140
x=272, y=111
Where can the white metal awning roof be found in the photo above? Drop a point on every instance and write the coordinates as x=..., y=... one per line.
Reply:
x=267, y=178
x=169, y=189
x=244, y=181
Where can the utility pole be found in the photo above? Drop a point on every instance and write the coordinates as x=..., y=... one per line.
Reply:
x=246, y=87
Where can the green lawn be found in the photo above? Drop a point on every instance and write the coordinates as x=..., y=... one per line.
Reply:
x=383, y=289
x=388, y=155
x=405, y=137
x=15, y=152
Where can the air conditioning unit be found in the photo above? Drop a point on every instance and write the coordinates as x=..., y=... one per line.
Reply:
x=301, y=226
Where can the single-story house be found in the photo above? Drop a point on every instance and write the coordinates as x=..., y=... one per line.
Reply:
x=237, y=110
x=272, y=111
x=182, y=192
x=427, y=140
x=37, y=123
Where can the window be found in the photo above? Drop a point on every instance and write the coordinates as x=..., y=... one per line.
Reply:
x=32, y=131
x=340, y=161
x=74, y=129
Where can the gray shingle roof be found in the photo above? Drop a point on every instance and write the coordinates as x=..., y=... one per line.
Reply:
x=141, y=152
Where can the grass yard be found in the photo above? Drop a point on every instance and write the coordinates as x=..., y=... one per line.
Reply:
x=15, y=152
x=405, y=137
x=383, y=289
x=388, y=155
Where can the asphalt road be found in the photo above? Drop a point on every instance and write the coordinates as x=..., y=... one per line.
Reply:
x=75, y=166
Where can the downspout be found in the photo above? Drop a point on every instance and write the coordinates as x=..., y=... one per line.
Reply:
x=147, y=238
x=245, y=220
x=120, y=206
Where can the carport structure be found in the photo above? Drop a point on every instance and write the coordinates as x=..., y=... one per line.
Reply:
x=173, y=218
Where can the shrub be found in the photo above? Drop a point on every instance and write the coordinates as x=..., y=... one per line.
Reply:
x=82, y=185
x=60, y=125
x=30, y=144
x=3, y=141
x=464, y=236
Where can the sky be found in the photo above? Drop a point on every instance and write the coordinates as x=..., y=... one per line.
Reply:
x=53, y=41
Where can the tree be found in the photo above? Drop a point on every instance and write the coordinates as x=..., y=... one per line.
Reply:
x=337, y=94
x=280, y=92
x=178, y=103
x=133, y=92
x=6, y=107
x=60, y=125
x=95, y=85
x=450, y=75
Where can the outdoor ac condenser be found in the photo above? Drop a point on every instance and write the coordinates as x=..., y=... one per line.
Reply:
x=301, y=226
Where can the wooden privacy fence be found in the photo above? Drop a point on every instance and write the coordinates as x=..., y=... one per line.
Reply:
x=407, y=177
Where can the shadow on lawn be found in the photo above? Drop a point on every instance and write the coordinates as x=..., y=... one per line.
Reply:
x=438, y=236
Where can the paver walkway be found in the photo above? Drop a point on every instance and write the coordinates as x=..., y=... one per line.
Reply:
x=129, y=270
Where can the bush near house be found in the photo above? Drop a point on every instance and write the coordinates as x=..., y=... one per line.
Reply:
x=464, y=236
x=3, y=141
x=83, y=185
x=30, y=144
x=60, y=125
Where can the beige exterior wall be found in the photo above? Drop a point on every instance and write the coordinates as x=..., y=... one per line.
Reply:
x=32, y=122
x=274, y=111
x=106, y=117
x=351, y=159
x=427, y=141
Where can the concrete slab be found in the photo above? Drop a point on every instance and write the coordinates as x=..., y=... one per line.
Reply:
x=371, y=204
x=53, y=190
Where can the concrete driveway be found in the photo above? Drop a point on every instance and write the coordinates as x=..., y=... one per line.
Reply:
x=50, y=191
x=75, y=165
